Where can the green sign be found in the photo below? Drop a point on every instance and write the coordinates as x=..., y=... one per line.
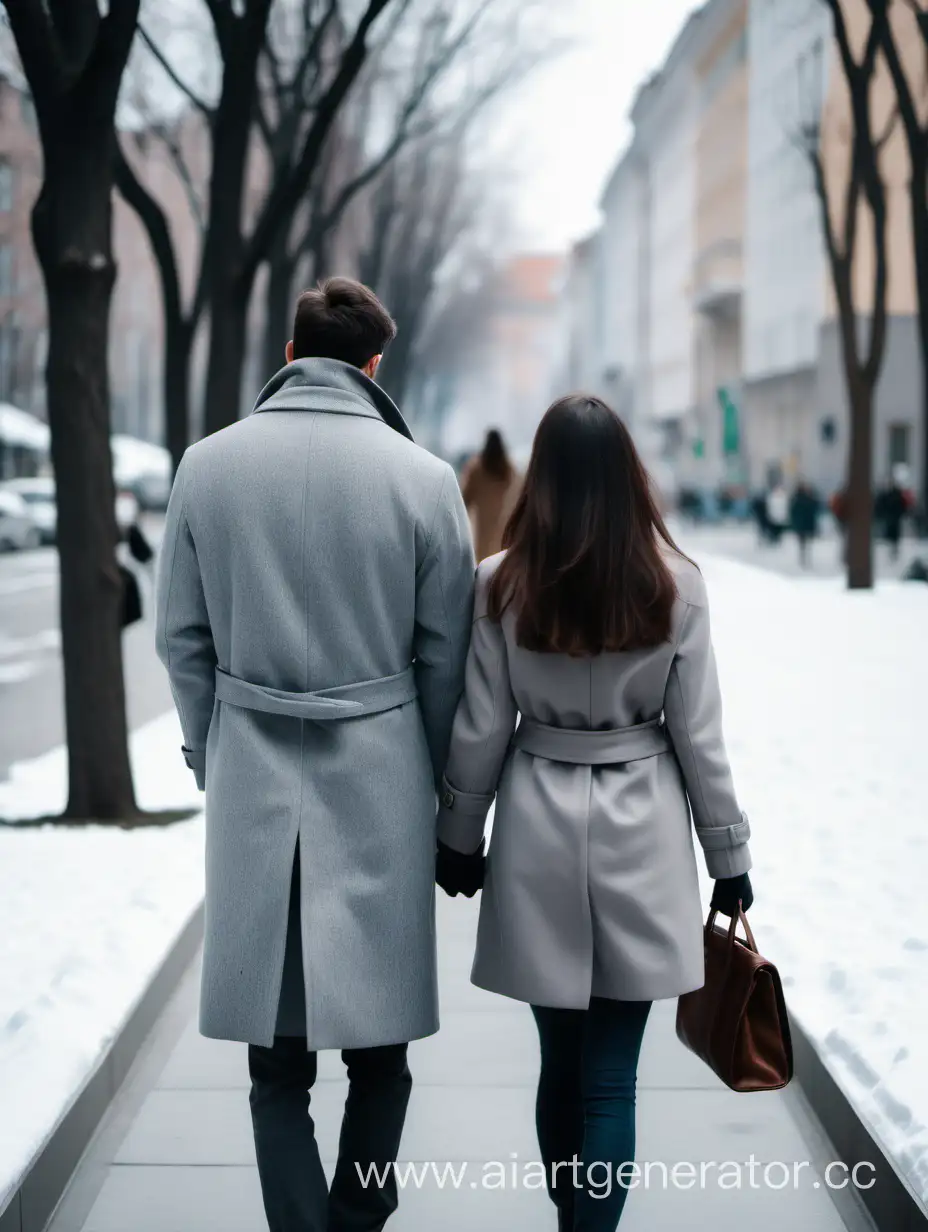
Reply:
x=731, y=437
x=699, y=447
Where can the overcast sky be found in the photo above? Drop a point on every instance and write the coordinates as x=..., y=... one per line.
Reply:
x=570, y=119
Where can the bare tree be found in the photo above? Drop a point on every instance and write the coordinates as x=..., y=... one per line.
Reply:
x=861, y=195
x=235, y=251
x=910, y=96
x=425, y=209
x=74, y=58
x=422, y=208
x=435, y=63
x=238, y=231
x=348, y=163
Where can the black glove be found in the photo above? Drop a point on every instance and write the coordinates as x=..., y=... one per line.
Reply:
x=458, y=873
x=727, y=892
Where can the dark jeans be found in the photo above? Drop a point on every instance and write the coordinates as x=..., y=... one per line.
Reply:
x=296, y=1196
x=586, y=1107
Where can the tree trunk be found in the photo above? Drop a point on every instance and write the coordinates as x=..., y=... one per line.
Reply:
x=918, y=196
x=228, y=332
x=859, y=486
x=228, y=289
x=72, y=231
x=397, y=364
x=178, y=346
x=923, y=342
x=278, y=309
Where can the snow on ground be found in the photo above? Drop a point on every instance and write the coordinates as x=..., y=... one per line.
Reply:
x=86, y=917
x=825, y=697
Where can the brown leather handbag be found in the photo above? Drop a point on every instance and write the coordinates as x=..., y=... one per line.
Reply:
x=737, y=1021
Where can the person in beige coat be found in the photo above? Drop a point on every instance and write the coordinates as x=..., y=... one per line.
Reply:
x=592, y=712
x=490, y=485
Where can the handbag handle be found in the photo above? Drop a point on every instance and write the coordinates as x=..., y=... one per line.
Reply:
x=739, y=915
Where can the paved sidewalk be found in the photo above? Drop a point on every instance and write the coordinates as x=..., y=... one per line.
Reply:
x=176, y=1154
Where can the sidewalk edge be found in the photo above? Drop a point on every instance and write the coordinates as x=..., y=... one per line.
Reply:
x=36, y=1196
x=891, y=1203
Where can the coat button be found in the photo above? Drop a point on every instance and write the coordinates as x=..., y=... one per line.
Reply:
x=448, y=799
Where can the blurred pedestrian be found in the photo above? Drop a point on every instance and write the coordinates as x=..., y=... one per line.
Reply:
x=592, y=633
x=490, y=485
x=136, y=546
x=759, y=512
x=777, y=509
x=139, y=547
x=838, y=505
x=890, y=508
x=804, y=511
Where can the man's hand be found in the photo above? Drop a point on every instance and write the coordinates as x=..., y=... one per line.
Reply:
x=458, y=873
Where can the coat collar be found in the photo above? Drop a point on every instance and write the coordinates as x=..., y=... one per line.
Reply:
x=329, y=385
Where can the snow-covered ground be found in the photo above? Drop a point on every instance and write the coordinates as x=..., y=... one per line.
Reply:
x=86, y=917
x=825, y=714
x=825, y=697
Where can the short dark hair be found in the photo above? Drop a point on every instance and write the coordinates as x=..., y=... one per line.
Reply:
x=341, y=319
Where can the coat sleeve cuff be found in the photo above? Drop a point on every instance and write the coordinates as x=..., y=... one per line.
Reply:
x=462, y=816
x=726, y=848
x=196, y=760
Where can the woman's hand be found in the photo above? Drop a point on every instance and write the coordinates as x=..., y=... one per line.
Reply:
x=727, y=892
x=458, y=873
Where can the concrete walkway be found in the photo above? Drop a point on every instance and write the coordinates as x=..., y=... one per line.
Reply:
x=176, y=1155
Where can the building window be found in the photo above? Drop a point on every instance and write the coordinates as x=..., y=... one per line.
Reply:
x=6, y=268
x=6, y=186
x=900, y=435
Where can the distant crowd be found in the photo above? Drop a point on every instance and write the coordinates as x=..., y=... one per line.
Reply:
x=778, y=511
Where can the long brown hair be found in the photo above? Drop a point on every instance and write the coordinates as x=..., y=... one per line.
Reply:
x=584, y=570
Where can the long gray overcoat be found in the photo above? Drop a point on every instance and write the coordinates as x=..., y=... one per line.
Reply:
x=591, y=885
x=314, y=608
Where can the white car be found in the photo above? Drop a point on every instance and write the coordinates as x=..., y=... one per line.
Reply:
x=17, y=529
x=39, y=495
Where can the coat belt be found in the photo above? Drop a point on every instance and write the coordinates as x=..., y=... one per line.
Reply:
x=345, y=701
x=612, y=746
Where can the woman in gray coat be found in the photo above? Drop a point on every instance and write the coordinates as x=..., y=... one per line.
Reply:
x=593, y=628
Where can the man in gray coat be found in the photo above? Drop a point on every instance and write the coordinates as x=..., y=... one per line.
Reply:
x=314, y=609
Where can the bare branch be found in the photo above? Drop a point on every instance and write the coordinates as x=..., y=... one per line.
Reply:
x=916, y=133
x=221, y=13
x=287, y=191
x=184, y=174
x=76, y=24
x=155, y=221
x=313, y=45
x=187, y=90
x=37, y=44
x=111, y=50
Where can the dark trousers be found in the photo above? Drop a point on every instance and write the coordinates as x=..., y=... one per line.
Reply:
x=296, y=1196
x=586, y=1107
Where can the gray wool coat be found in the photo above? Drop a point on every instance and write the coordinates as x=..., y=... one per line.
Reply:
x=591, y=886
x=314, y=605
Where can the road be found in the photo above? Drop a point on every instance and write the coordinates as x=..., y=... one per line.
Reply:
x=31, y=687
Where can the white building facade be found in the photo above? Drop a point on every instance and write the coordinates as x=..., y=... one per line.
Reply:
x=785, y=275
x=705, y=302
